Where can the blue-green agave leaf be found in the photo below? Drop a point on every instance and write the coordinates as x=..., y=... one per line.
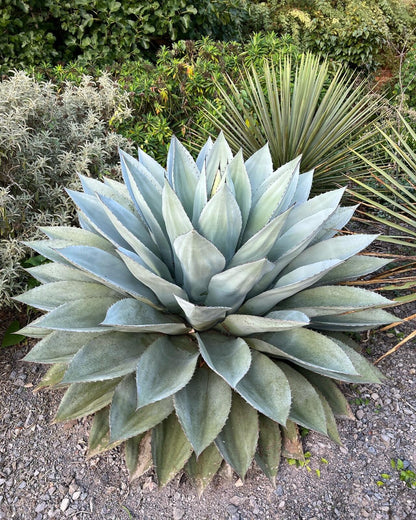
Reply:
x=170, y=449
x=108, y=269
x=354, y=268
x=132, y=315
x=259, y=167
x=125, y=420
x=368, y=373
x=306, y=408
x=335, y=223
x=335, y=398
x=202, y=317
x=59, y=346
x=201, y=470
x=184, y=173
x=238, y=439
x=202, y=407
x=150, y=209
x=164, y=368
x=334, y=248
x=83, y=399
x=78, y=237
x=97, y=217
x=303, y=188
x=227, y=356
x=331, y=299
x=297, y=237
x=152, y=166
x=200, y=261
x=288, y=285
x=164, y=290
x=268, y=198
x=265, y=387
x=230, y=287
x=53, y=272
x=108, y=356
x=246, y=324
x=354, y=321
x=200, y=198
x=176, y=219
x=269, y=447
x=217, y=160
x=325, y=201
x=114, y=190
x=79, y=315
x=48, y=297
x=220, y=221
x=130, y=226
x=306, y=348
x=237, y=172
x=203, y=154
x=259, y=245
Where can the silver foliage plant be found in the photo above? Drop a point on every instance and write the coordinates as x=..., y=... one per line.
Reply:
x=46, y=135
x=198, y=311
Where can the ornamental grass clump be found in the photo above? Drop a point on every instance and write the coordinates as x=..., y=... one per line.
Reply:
x=198, y=311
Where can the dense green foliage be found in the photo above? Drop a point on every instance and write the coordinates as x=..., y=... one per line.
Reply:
x=103, y=31
x=168, y=97
x=199, y=310
x=404, y=88
x=354, y=31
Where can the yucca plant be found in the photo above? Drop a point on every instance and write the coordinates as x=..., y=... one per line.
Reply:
x=197, y=310
x=389, y=198
x=299, y=108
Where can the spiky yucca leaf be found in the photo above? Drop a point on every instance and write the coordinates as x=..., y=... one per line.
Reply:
x=188, y=302
x=299, y=108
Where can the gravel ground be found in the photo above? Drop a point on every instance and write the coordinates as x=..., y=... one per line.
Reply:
x=44, y=473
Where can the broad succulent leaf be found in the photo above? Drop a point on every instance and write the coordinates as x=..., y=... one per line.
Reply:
x=202, y=407
x=170, y=449
x=198, y=311
x=138, y=455
x=125, y=420
x=99, y=437
x=269, y=447
x=203, y=468
x=59, y=346
x=238, y=439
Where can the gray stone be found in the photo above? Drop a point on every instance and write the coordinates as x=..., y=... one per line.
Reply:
x=64, y=504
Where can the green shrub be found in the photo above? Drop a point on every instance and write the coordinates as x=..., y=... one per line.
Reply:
x=103, y=31
x=355, y=32
x=168, y=97
x=404, y=88
x=46, y=137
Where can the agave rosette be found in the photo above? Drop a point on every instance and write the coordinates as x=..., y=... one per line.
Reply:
x=198, y=313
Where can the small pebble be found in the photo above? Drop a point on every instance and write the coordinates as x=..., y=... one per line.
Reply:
x=178, y=513
x=359, y=414
x=279, y=491
x=64, y=504
x=76, y=495
x=40, y=507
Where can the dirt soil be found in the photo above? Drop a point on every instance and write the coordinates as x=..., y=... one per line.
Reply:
x=44, y=472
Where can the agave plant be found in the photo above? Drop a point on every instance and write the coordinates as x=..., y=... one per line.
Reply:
x=198, y=313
